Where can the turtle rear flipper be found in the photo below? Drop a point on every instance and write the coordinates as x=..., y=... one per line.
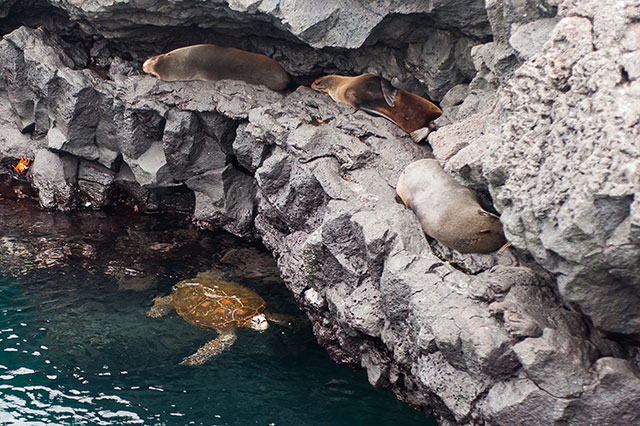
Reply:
x=225, y=339
x=161, y=307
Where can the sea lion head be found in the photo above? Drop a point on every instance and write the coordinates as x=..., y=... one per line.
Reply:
x=489, y=234
x=167, y=66
x=325, y=85
x=150, y=65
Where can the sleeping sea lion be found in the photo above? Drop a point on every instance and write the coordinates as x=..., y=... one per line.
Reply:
x=448, y=211
x=211, y=63
x=377, y=96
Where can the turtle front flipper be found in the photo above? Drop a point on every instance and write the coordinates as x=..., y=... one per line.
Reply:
x=286, y=320
x=225, y=339
x=161, y=307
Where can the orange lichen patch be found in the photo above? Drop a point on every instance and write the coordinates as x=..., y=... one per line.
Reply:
x=22, y=165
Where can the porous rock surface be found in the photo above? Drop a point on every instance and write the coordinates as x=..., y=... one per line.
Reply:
x=559, y=151
x=471, y=339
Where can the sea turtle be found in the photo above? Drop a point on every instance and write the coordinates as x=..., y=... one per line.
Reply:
x=223, y=305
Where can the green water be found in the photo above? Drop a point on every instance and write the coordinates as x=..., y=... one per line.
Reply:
x=77, y=349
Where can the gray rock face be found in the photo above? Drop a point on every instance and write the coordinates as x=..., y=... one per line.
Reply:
x=55, y=191
x=328, y=25
x=307, y=38
x=473, y=339
x=587, y=176
x=559, y=152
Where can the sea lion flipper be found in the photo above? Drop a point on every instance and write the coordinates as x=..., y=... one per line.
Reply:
x=377, y=113
x=420, y=134
x=389, y=92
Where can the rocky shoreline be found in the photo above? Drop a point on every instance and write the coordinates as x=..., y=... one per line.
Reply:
x=541, y=105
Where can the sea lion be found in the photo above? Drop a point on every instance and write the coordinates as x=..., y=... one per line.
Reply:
x=448, y=211
x=211, y=63
x=377, y=96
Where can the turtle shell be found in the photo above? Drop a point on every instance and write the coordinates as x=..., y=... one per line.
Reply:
x=215, y=303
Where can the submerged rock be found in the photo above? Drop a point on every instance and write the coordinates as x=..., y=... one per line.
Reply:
x=132, y=249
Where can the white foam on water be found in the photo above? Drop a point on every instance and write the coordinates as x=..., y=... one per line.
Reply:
x=120, y=413
x=114, y=398
x=36, y=402
x=7, y=419
x=41, y=402
x=59, y=409
x=123, y=416
x=22, y=371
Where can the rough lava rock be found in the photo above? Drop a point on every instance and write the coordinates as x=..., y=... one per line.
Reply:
x=558, y=151
x=552, y=141
x=329, y=25
x=421, y=46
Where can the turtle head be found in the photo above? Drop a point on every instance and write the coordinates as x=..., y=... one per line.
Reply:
x=258, y=322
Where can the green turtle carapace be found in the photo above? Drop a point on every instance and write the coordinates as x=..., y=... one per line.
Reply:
x=223, y=305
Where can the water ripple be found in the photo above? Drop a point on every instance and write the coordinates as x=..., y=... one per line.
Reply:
x=76, y=347
x=25, y=405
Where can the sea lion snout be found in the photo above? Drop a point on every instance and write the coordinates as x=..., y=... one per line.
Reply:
x=320, y=85
x=149, y=65
x=491, y=234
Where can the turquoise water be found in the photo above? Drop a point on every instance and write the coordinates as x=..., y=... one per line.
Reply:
x=76, y=348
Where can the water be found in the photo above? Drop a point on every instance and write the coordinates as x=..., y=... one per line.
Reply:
x=76, y=347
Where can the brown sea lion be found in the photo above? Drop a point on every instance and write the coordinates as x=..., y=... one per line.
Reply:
x=448, y=211
x=211, y=63
x=377, y=96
